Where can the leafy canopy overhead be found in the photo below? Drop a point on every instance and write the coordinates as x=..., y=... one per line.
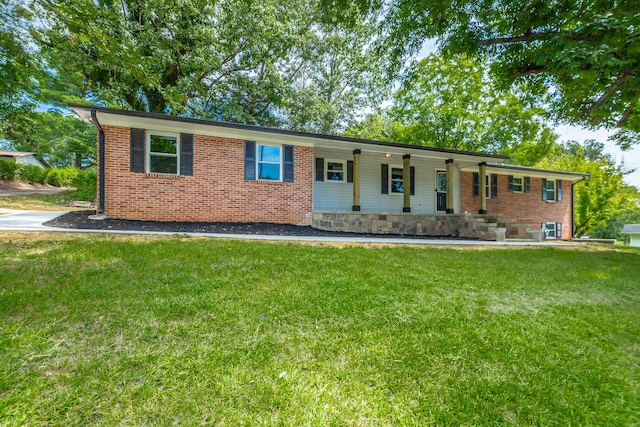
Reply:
x=452, y=103
x=268, y=62
x=583, y=57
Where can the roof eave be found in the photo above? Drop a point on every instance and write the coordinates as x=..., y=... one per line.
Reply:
x=84, y=112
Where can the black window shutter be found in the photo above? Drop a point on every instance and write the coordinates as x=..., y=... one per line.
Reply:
x=559, y=190
x=250, y=160
x=186, y=154
x=319, y=169
x=544, y=189
x=510, y=183
x=412, y=177
x=349, y=170
x=288, y=163
x=476, y=187
x=558, y=230
x=137, y=152
x=527, y=184
x=384, y=179
x=494, y=186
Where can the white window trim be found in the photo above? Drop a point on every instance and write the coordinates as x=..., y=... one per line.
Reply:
x=149, y=153
x=391, y=168
x=258, y=162
x=513, y=181
x=344, y=170
x=553, y=200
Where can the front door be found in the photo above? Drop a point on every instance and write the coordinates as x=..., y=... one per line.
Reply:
x=441, y=191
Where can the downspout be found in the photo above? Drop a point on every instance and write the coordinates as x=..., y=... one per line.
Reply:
x=94, y=117
x=573, y=214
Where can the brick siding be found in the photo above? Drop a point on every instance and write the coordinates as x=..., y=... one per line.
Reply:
x=217, y=191
x=526, y=208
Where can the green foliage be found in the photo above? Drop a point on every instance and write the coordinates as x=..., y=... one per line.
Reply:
x=85, y=184
x=8, y=170
x=603, y=195
x=453, y=104
x=62, y=140
x=228, y=61
x=20, y=70
x=62, y=177
x=580, y=56
x=342, y=75
x=156, y=331
x=32, y=174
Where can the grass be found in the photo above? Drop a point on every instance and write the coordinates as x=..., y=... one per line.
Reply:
x=40, y=202
x=106, y=330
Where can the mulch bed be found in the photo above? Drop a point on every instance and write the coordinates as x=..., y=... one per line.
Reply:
x=80, y=220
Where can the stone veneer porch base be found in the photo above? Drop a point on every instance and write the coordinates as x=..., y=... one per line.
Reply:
x=463, y=225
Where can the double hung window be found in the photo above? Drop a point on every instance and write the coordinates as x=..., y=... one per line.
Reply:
x=335, y=170
x=397, y=180
x=163, y=153
x=269, y=162
x=518, y=184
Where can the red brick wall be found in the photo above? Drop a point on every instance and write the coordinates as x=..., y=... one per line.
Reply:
x=217, y=191
x=526, y=208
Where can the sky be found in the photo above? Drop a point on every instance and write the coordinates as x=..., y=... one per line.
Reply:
x=630, y=158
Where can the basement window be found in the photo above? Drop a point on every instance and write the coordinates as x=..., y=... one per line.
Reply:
x=552, y=230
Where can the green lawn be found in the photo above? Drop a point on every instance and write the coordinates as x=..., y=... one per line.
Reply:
x=158, y=331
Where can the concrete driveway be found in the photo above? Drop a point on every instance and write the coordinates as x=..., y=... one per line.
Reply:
x=15, y=220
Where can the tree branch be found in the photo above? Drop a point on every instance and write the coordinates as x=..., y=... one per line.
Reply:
x=626, y=76
x=626, y=115
x=531, y=36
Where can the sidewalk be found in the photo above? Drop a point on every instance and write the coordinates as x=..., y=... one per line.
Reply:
x=14, y=220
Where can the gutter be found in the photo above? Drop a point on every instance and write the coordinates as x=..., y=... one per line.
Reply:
x=94, y=118
x=573, y=201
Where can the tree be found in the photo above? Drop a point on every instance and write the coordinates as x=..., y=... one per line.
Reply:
x=61, y=140
x=452, y=103
x=224, y=60
x=581, y=56
x=19, y=72
x=340, y=76
x=600, y=197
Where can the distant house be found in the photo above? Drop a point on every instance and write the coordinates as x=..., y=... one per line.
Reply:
x=22, y=158
x=164, y=168
x=633, y=230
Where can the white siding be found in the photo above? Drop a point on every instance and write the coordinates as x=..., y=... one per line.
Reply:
x=329, y=196
x=634, y=240
x=28, y=160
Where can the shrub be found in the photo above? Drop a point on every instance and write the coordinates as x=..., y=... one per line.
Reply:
x=62, y=177
x=8, y=170
x=31, y=173
x=85, y=184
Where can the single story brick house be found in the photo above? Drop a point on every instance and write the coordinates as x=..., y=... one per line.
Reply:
x=166, y=168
